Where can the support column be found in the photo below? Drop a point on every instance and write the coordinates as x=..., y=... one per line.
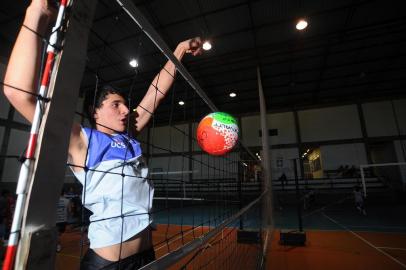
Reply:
x=266, y=157
x=299, y=142
x=364, y=132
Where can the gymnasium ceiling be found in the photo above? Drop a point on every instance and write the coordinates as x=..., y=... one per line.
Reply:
x=352, y=51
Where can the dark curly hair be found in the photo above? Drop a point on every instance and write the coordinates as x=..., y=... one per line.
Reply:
x=94, y=100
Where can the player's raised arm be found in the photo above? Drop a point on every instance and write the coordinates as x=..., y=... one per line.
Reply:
x=163, y=81
x=23, y=66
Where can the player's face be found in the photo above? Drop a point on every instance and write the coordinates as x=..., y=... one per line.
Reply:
x=112, y=115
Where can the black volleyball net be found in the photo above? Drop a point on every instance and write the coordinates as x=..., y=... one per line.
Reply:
x=207, y=212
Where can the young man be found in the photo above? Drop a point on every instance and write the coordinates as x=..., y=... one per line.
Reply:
x=120, y=199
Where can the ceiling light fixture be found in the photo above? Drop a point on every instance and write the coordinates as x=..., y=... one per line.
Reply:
x=181, y=103
x=133, y=63
x=232, y=94
x=206, y=45
x=301, y=24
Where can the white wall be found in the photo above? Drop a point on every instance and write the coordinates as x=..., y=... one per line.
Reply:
x=170, y=164
x=169, y=138
x=379, y=119
x=201, y=166
x=285, y=155
x=333, y=123
x=250, y=126
x=333, y=156
x=283, y=122
x=202, y=163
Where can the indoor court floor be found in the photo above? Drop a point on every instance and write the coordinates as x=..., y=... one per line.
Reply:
x=69, y=256
x=337, y=250
x=338, y=237
x=333, y=250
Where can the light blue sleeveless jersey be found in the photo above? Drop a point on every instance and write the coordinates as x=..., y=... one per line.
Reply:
x=109, y=158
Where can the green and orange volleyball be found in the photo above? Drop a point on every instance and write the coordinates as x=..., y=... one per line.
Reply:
x=217, y=133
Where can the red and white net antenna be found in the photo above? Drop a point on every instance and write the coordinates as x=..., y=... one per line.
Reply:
x=26, y=167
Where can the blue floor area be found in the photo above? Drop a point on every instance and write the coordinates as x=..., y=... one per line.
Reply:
x=193, y=215
x=385, y=217
x=205, y=215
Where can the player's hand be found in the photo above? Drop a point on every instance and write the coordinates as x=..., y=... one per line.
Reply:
x=193, y=46
x=47, y=8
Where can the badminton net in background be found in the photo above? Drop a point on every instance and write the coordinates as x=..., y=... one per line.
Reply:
x=391, y=175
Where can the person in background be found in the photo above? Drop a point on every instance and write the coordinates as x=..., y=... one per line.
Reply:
x=74, y=207
x=62, y=212
x=359, y=200
x=283, y=180
x=309, y=198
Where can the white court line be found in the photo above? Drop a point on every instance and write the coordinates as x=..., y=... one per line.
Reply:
x=366, y=242
x=175, y=239
x=178, y=199
x=378, y=227
x=393, y=248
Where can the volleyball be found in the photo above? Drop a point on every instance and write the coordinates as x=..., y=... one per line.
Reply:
x=217, y=133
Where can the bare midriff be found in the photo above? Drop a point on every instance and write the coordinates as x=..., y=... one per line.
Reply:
x=139, y=243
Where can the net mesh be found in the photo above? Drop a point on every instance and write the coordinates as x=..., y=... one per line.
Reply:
x=200, y=201
x=194, y=192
